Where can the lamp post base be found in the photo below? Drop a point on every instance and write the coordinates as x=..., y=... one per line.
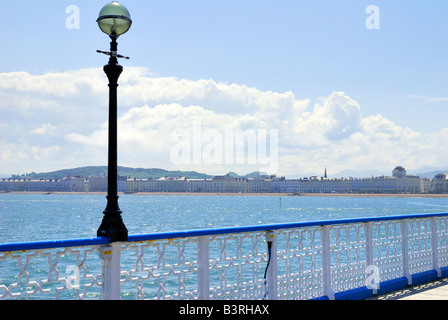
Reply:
x=114, y=229
x=112, y=225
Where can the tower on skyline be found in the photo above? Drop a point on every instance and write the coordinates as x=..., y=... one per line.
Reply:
x=399, y=172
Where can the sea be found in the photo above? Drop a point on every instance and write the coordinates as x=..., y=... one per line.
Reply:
x=41, y=217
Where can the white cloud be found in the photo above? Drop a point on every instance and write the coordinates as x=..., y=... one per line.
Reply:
x=429, y=99
x=336, y=118
x=59, y=120
x=45, y=129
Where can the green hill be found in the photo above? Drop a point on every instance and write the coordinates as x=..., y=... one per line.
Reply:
x=85, y=172
x=256, y=174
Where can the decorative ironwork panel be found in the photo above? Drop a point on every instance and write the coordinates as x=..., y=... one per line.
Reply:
x=237, y=266
x=348, y=257
x=160, y=270
x=387, y=249
x=51, y=274
x=442, y=241
x=300, y=264
x=420, y=250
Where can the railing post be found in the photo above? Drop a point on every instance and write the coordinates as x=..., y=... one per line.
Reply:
x=369, y=243
x=405, y=250
x=434, y=249
x=326, y=262
x=203, y=269
x=110, y=256
x=371, y=282
x=271, y=239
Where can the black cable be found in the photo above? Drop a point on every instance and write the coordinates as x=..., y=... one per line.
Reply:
x=267, y=267
x=269, y=259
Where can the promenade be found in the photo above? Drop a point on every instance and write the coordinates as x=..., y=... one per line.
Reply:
x=436, y=290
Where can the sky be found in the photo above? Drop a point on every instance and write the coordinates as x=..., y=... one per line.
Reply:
x=346, y=85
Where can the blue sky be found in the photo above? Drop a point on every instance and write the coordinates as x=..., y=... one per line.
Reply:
x=310, y=49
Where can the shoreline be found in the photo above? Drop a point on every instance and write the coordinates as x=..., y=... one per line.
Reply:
x=353, y=195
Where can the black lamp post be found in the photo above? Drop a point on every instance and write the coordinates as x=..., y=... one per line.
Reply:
x=114, y=20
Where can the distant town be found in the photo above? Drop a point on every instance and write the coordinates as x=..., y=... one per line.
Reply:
x=399, y=182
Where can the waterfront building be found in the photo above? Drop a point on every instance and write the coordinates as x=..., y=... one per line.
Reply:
x=69, y=184
x=229, y=184
x=97, y=183
x=285, y=185
x=439, y=183
x=311, y=185
x=121, y=183
x=199, y=185
x=259, y=185
x=399, y=172
x=380, y=184
x=399, y=182
x=14, y=185
x=140, y=185
x=426, y=185
x=44, y=185
x=218, y=184
x=73, y=184
x=171, y=184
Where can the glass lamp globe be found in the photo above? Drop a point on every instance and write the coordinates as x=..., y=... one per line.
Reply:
x=114, y=19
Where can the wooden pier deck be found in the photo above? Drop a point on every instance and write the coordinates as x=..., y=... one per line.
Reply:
x=436, y=290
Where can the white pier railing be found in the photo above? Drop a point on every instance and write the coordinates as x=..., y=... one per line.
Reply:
x=337, y=259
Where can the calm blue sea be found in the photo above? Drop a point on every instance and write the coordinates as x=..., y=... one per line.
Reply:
x=35, y=217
